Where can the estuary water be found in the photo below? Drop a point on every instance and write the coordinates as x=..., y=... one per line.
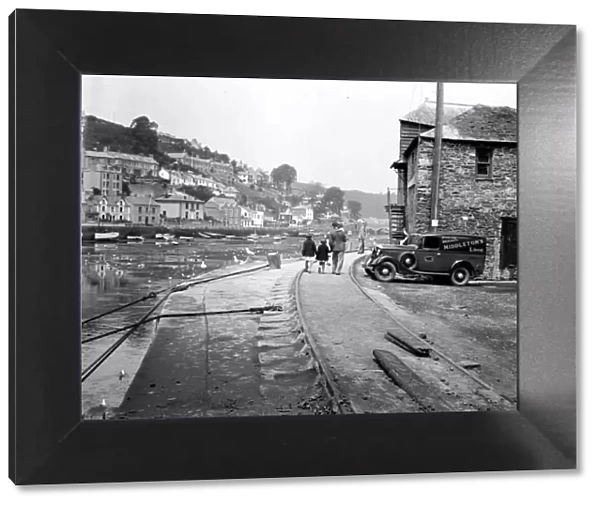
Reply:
x=114, y=274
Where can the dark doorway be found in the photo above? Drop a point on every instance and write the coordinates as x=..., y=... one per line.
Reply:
x=508, y=245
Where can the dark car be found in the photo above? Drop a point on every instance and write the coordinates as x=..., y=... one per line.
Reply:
x=457, y=256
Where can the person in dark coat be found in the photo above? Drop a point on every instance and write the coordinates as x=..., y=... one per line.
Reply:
x=322, y=255
x=309, y=251
x=337, y=242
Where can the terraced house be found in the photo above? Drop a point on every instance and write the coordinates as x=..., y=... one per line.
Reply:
x=180, y=207
x=107, y=208
x=135, y=165
x=105, y=179
x=478, y=180
x=144, y=210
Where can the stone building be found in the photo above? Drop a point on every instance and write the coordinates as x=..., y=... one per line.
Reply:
x=478, y=181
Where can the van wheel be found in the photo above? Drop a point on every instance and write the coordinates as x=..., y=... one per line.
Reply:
x=408, y=260
x=460, y=276
x=385, y=272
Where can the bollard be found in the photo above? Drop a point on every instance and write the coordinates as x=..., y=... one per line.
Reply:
x=274, y=260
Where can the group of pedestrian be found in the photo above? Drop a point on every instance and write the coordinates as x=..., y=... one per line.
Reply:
x=333, y=243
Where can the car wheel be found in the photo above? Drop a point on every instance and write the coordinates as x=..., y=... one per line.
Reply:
x=460, y=276
x=385, y=271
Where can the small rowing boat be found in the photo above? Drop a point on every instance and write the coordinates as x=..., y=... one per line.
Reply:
x=106, y=236
x=213, y=235
x=137, y=238
x=186, y=238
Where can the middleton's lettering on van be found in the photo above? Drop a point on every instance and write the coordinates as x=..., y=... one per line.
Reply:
x=460, y=244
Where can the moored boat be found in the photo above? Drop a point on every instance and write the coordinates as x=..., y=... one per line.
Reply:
x=204, y=236
x=137, y=238
x=213, y=235
x=186, y=238
x=106, y=236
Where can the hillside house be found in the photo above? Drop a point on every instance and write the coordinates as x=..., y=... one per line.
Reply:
x=262, y=178
x=218, y=209
x=269, y=218
x=144, y=210
x=243, y=176
x=147, y=190
x=223, y=172
x=302, y=215
x=199, y=164
x=181, y=207
x=111, y=209
x=478, y=181
x=108, y=179
x=134, y=165
x=231, y=192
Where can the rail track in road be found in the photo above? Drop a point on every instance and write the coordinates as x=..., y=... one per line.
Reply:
x=338, y=403
x=417, y=344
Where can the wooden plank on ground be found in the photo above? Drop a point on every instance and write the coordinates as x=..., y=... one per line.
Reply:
x=426, y=395
x=408, y=342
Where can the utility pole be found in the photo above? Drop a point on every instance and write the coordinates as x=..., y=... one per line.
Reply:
x=437, y=155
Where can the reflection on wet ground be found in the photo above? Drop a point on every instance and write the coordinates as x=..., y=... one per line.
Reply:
x=116, y=274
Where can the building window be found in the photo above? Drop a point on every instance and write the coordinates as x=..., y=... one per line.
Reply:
x=153, y=211
x=139, y=210
x=484, y=163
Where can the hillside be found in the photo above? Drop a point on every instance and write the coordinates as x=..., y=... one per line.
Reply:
x=372, y=203
x=100, y=133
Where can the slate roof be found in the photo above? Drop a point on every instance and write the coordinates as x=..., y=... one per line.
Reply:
x=481, y=123
x=177, y=197
x=141, y=201
x=223, y=201
x=120, y=156
x=110, y=200
x=425, y=113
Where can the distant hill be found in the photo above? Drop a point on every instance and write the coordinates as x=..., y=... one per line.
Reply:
x=372, y=203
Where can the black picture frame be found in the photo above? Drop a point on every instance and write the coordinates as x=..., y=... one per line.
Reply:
x=50, y=50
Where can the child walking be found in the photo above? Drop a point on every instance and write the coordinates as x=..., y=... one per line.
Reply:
x=309, y=250
x=322, y=255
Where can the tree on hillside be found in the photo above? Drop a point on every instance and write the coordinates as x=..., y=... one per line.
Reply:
x=199, y=192
x=163, y=159
x=284, y=176
x=314, y=188
x=333, y=200
x=294, y=200
x=144, y=136
x=355, y=207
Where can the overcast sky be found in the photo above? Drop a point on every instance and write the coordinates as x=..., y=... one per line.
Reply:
x=342, y=133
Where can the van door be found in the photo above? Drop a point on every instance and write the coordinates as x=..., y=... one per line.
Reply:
x=429, y=256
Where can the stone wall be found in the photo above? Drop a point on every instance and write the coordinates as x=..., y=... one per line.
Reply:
x=468, y=204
